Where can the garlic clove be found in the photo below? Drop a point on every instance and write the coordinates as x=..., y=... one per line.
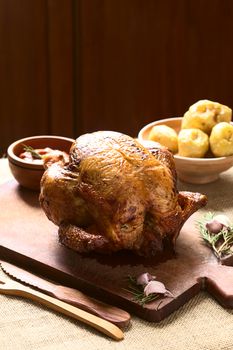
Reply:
x=156, y=287
x=145, y=278
x=214, y=226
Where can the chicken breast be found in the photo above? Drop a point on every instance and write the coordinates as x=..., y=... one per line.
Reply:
x=115, y=193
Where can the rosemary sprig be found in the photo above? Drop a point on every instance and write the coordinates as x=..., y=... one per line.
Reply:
x=138, y=292
x=221, y=242
x=33, y=152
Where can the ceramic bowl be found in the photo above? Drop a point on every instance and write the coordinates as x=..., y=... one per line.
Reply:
x=27, y=173
x=191, y=170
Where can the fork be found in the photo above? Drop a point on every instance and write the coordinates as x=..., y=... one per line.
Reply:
x=10, y=287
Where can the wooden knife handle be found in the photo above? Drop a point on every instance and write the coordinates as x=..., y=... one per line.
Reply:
x=108, y=312
x=72, y=296
x=14, y=288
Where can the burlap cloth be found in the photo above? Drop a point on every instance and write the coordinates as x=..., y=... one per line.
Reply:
x=200, y=324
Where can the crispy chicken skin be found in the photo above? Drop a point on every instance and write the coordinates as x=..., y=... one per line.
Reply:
x=115, y=193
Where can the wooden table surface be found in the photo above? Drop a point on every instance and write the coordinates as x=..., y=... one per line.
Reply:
x=200, y=324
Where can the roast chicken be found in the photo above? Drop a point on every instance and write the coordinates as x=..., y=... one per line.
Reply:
x=115, y=193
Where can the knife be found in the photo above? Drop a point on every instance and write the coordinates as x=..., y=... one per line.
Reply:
x=69, y=295
x=10, y=287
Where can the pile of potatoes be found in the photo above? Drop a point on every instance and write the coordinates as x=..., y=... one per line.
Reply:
x=205, y=127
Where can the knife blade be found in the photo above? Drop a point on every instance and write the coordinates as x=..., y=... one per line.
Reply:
x=72, y=296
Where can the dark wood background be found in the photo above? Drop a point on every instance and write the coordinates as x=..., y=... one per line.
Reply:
x=69, y=67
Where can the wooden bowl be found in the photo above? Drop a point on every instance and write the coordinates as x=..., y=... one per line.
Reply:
x=28, y=174
x=191, y=170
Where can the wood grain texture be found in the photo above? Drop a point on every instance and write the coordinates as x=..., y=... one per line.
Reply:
x=69, y=295
x=10, y=287
x=31, y=240
x=61, y=66
x=146, y=60
x=35, y=69
x=69, y=67
x=23, y=70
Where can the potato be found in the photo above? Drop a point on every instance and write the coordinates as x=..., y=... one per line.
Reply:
x=192, y=143
x=205, y=114
x=221, y=140
x=166, y=136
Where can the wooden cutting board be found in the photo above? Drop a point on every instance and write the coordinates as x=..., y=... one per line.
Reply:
x=29, y=239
